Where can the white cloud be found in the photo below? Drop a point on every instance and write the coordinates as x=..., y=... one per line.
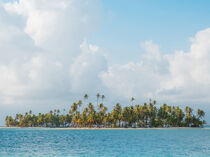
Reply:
x=178, y=78
x=58, y=26
x=45, y=59
x=181, y=77
x=85, y=70
x=190, y=72
x=40, y=46
x=141, y=79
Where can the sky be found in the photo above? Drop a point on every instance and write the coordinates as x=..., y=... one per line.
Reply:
x=52, y=52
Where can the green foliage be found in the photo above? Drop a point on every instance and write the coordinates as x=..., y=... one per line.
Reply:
x=146, y=115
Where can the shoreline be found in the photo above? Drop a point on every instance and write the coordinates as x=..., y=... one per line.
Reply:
x=84, y=128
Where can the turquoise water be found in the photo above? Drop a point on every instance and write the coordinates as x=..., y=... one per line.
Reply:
x=157, y=143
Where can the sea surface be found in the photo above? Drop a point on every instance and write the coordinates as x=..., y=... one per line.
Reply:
x=142, y=143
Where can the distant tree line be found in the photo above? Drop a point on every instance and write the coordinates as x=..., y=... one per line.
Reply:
x=146, y=115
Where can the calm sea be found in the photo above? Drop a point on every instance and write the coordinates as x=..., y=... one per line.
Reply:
x=157, y=143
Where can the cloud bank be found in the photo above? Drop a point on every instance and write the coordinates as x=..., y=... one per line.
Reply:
x=181, y=76
x=45, y=58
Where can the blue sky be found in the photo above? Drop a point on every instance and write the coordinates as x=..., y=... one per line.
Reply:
x=52, y=52
x=125, y=24
x=168, y=23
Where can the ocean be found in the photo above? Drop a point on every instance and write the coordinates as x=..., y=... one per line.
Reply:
x=142, y=143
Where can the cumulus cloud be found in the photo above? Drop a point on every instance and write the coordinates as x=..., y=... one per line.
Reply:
x=189, y=71
x=58, y=26
x=44, y=59
x=141, y=79
x=181, y=77
x=40, y=48
x=85, y=70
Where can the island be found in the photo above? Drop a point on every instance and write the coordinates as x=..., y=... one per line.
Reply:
x=80, y=115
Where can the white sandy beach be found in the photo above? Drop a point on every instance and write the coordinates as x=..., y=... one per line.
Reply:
x=86, y=128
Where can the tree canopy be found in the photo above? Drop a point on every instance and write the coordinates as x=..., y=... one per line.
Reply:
x=87, y=115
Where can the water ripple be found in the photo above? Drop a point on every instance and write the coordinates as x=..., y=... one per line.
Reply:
x=148, y=143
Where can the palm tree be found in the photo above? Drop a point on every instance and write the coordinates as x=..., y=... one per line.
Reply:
x=91, y=114
x=188, y=119
x=125, y=115
x=132, y=99
x=85, y=97
x=200, y=113
x=73, y=108
x=84, y=116
x=102, y=98
x=146, y=115
x=132, y=117
x=97, y=96
x=104, y=110
x=9, y=121
x=100, y=106
x=152, y=114
x=79, y=103
x=179, y=116
x=116, y=114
